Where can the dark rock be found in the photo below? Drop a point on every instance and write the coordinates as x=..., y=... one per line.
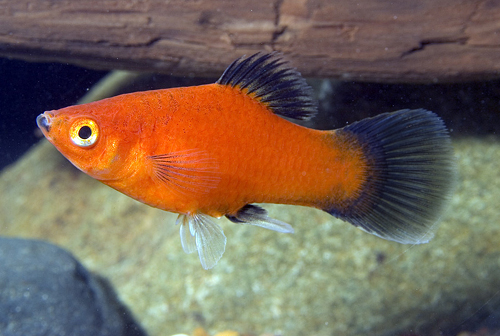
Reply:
x=44, y=290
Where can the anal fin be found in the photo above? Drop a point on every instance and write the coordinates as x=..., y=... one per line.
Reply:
x=200, y=233
x=254, y=215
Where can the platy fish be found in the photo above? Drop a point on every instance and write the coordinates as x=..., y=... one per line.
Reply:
x=213, y=150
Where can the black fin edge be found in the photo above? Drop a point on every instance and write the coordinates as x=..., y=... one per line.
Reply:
x=412, y=173
x=247, y=213
x=254, y=215
x=272, y=81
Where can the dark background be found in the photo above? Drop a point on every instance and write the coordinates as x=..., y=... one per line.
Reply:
x=28, y=89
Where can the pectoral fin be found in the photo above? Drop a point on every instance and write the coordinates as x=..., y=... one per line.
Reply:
x=190, y=171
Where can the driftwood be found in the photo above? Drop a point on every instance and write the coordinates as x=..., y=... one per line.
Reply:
x=418, y=40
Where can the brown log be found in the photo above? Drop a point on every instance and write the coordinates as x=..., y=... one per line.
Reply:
x=381, y=40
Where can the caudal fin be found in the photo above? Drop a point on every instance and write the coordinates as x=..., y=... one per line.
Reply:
x=411, y=174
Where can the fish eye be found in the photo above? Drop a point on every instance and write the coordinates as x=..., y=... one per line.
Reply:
x=84, y=132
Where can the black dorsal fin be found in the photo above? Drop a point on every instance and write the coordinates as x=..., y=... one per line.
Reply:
x=271, y=80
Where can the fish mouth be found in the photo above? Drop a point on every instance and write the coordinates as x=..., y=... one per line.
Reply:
x=44, y=122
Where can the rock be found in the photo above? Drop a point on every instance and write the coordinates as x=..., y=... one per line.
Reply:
x=44, y=290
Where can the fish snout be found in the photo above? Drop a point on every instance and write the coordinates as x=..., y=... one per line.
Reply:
x=44, y=122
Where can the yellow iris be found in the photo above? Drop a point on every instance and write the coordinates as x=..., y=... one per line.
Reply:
x=84, y=132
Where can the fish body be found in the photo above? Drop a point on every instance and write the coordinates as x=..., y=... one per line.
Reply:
x=213, y=150
x=234, y=159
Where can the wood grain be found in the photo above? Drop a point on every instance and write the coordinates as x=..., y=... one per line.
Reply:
x=379, y=40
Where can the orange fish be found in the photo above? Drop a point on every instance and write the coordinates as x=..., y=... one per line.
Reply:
x=212, y=150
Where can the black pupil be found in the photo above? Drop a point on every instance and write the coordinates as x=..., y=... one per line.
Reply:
x=85, y=132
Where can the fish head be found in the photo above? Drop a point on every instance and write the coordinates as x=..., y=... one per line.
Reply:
x=98, y=138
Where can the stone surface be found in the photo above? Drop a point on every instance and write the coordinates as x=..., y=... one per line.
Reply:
x=44, y=290
x=327, y=278
x=420, y=40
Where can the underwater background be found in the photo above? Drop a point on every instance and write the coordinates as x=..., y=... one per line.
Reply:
x=328, y=278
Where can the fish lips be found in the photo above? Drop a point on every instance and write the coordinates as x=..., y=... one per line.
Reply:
x=44, y=122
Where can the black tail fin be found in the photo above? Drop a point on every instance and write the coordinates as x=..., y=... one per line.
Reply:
x=411, y=175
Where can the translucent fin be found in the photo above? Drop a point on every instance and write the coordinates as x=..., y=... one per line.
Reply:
x=254, y=215
x=410, y=175
x=188, y=240
x=273, y=82
x=200, y=233
x=190, y=171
